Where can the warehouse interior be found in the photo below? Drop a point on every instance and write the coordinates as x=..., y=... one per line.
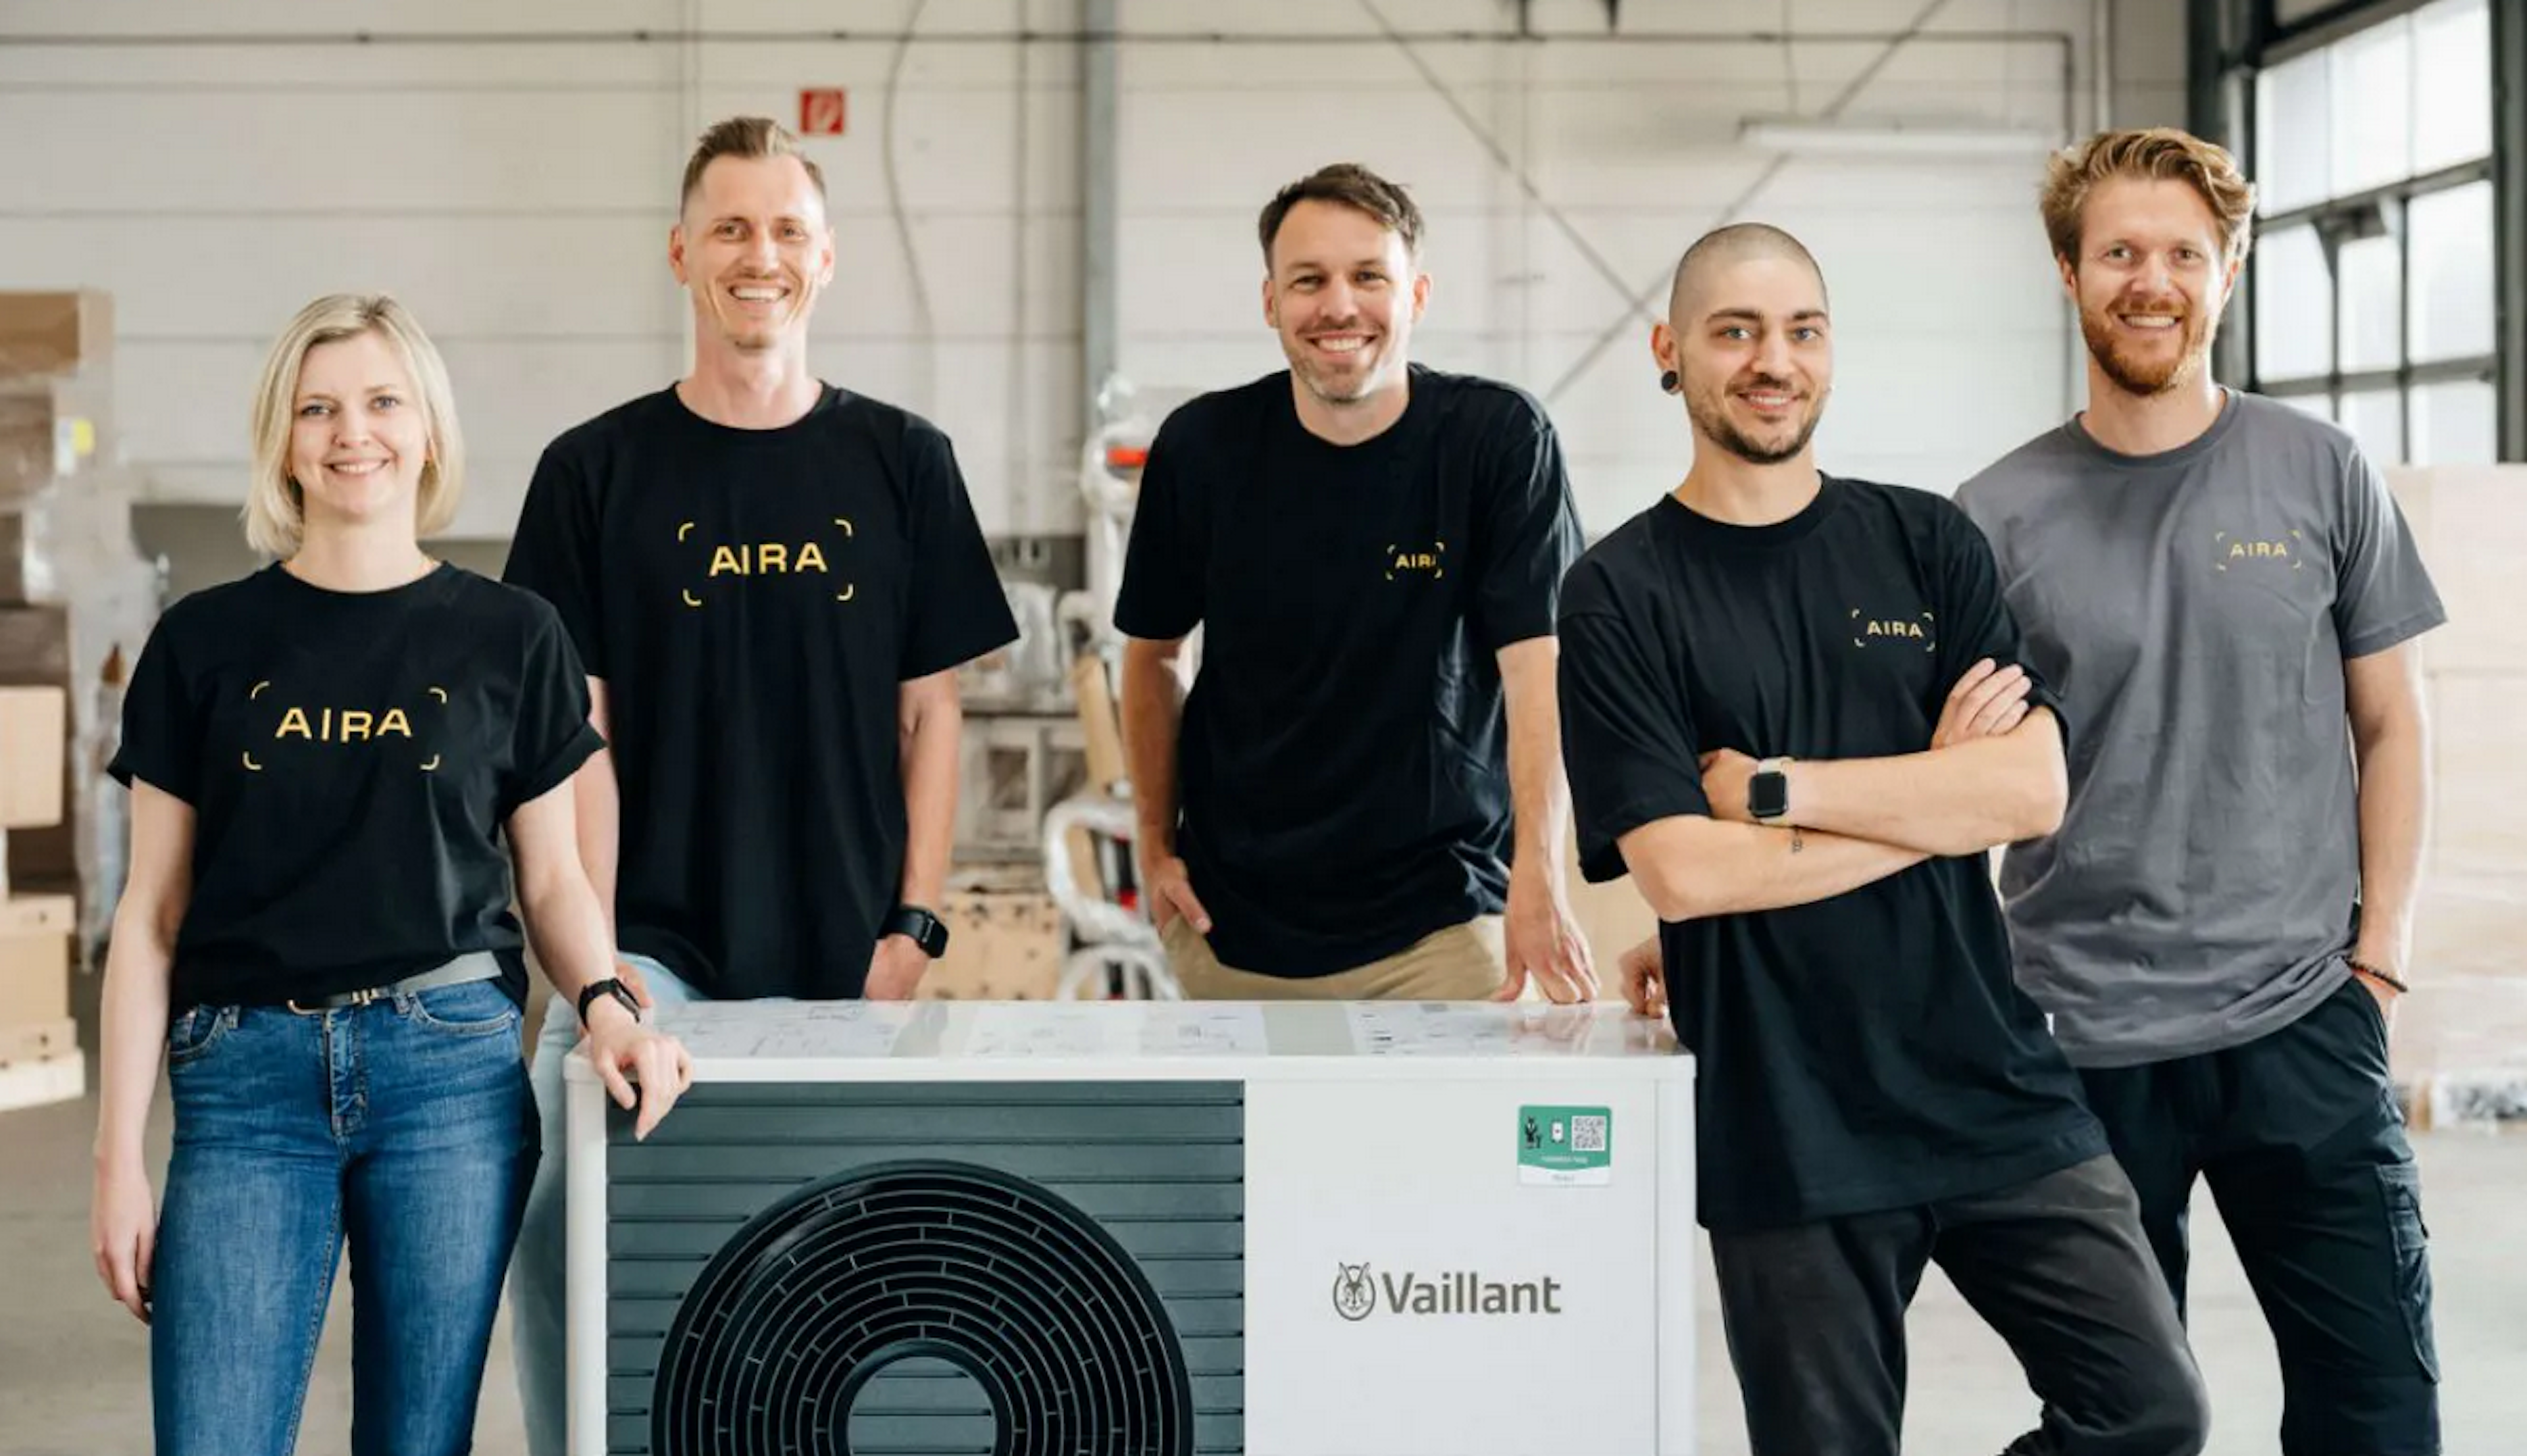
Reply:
x=1044, y=214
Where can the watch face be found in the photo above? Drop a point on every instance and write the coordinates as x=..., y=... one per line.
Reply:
x=1765, y=794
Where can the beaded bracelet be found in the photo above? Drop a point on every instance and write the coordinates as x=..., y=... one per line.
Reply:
x=2375, y=974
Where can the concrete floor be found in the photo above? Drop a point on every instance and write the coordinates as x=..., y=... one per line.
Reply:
x=74, y=1367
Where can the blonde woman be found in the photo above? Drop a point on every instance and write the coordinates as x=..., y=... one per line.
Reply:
x=326, y=759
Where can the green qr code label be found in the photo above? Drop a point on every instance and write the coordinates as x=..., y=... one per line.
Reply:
x=1563, y=1147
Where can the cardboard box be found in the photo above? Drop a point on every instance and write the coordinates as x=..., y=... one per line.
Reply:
x=36, y=646
x=59, y=538
x=84, y=643
x=87, y=647
x=46, y=1080
x=35, y=652
x=34, y=741
x=1003, y=945
x=58, y=333
x=2479, y=781
x=2470, y=525
x=51, y=430
x=32, y=915
x=37, y=1041
x=26, y=571
x=2467, y=928
x=35, y=960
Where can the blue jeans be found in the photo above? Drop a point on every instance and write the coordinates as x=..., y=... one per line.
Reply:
x=402, y=1127
x=538, y=1290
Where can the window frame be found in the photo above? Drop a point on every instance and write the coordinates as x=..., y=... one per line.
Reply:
x=2231, y=42
x=2358, y=214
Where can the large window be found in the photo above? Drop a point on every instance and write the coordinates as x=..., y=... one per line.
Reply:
x=2373, y=288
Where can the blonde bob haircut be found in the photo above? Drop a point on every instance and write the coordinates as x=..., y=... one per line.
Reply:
x=276, y=521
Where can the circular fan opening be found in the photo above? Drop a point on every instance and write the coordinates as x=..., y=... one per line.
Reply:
x=833, y=1320
x=916, y=1399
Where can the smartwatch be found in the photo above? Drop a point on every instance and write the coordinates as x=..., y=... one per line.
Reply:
x=927, y=930
x=611, y=986
x=1768, y=793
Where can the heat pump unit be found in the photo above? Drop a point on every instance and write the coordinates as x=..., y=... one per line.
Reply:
x=1141, y=1228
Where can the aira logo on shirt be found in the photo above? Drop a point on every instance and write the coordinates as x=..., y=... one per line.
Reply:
x=1413, y=561
x=328, y=725
x=1916, y=630
x=738, y=562
x=2278, y=554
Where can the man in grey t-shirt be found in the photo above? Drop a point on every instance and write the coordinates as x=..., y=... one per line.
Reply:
x=2225, y=595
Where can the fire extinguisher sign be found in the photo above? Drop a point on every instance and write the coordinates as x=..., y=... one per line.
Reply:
x=820, y=111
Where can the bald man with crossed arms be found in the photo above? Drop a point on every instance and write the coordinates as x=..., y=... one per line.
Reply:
x=1794, y=712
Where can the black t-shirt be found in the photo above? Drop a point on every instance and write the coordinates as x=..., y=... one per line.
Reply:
x=1867, y=1051
x=353, y=759
x=753, y=599
x=1343, y=772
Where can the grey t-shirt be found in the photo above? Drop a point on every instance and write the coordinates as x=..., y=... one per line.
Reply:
x=2193, y=610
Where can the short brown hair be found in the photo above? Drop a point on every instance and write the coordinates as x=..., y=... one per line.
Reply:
x=2155, y=154
x=744, y=137
x=1353, y=186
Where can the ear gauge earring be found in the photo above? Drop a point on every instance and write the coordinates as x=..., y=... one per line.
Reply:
x=1667, y=382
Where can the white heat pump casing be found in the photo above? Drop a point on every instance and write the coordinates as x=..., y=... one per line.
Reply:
x=1381, y=1153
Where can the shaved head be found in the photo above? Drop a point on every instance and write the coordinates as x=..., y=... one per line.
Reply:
x=1748, y=344
x=1721, y=247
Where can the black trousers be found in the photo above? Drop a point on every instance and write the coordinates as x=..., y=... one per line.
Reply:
x=2301, y=1138
x=1813, y=1317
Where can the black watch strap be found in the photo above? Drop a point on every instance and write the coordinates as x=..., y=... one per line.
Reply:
x=926, y=929
x=611, y=986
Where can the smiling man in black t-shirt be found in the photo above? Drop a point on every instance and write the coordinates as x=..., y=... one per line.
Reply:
x=771, y=582
x=1362, y=794
x=1795, y=714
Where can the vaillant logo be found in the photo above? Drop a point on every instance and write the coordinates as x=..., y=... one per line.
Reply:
x=1355, y=1297
x=1360, y=1291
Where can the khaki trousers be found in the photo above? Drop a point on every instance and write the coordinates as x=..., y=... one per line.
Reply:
x=1463, y=963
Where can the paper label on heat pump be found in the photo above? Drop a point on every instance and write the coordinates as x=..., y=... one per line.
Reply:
x=1094, y=1029
x=1565, y=1147
x=1458, y=1029
x=807, y=1029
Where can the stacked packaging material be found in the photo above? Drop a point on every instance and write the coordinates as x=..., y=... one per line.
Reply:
x=39, y=1053
x=76, y=597
x=2460, y=1050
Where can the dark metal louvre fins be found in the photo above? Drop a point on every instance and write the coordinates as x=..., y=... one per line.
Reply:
x=890, y=1271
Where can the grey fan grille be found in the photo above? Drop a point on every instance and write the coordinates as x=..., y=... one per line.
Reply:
x=994, y=1270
